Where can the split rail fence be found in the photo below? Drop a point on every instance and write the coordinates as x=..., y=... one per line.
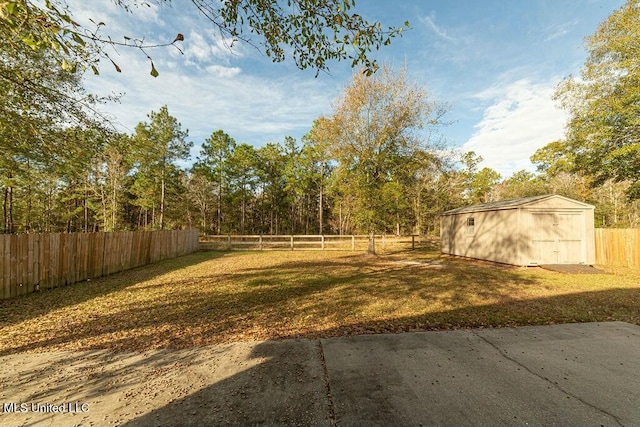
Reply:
x=30, y=262
x=311, y=242
x=614, y=247
x=618, y=247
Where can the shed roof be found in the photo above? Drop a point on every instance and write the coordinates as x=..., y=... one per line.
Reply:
x=511, y=204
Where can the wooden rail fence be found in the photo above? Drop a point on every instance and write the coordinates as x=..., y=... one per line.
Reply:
x=30, y=262
x=615, y=247
x=618, y=247
x=309, y=242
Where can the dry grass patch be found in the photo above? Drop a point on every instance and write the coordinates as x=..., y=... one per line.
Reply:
x=215, y=297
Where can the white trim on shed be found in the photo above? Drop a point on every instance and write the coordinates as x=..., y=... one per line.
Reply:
x=549, y=229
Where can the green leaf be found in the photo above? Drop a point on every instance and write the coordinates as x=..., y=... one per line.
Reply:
x=154, y=72
x=115, y=65
x=95, y=70
x=66, y=65
x=30, y=41
x=78, y=39
x=12, y=8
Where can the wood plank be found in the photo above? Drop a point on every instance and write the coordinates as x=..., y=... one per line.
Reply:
x=107, y=268
x=60, y=259
x=72, y=265
x=5, y=277
x=45, y=260
x=122, y=261
x=54, y=263
x=635, y=248
x=33, y=263
x=24, y=264
x=98, y=266
x=16, y=268
x=125, y=259
x=91, y=242
x=81, y=261
x=152, y=247
x=147, y=247
x=37, y=248
x=13, y=250
x=135, y=243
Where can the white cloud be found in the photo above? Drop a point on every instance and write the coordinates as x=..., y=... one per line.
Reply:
x=204, y=47
x=115, y=18
x=197, y=48
x=250, y=108
x=225, y=47
x=224, y=72
x=561, y=30
x=429, y=21
x=521, y=118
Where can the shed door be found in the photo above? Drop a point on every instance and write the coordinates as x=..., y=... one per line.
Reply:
x=570, y=226
x=557, y=238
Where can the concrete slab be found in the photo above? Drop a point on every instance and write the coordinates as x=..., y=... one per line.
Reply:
x=572, y=268
x=595, y=363
x=583, y=374
x=580, y=374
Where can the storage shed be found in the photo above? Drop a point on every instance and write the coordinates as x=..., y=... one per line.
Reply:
x=537, y=230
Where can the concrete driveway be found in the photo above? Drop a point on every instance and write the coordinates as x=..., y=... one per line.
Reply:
x=577, y=374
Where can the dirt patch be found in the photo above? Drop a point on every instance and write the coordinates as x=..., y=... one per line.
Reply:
x=572, y=268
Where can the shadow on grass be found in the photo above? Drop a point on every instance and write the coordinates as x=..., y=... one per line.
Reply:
x=275, y=383
x=297, y=298
x=209, y=306
x=599, y=306
x=29, y=306
x=283, y=385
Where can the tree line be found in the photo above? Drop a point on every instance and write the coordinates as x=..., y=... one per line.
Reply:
x=104, y=181
x=375, y=165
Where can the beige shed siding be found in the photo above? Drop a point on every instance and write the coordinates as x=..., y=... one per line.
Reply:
x=543, y=230
x=495, y=237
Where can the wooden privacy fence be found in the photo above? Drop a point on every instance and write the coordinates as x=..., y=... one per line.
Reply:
x=30, y=262
x=618, y=247
x=309, y=242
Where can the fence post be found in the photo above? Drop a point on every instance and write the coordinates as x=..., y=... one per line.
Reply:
x=292, y=242
x=228, y=242
x=322, y=240
x=353, y=242
x=413, y=241
x=260, y=241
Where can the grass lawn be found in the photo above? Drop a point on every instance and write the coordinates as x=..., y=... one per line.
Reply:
x=216, y=297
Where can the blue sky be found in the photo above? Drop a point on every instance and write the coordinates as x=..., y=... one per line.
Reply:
x=495, y=63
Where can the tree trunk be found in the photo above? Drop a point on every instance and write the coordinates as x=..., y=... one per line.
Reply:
x=219, y=213
x=114, y=207
x=162, y=202
x=371, y=250
x=86, y=209
x=8, y=209
x=320, y=211
x=243, y=216
x=27, y=222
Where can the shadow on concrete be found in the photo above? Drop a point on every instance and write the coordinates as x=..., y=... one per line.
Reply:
x=286, y=386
